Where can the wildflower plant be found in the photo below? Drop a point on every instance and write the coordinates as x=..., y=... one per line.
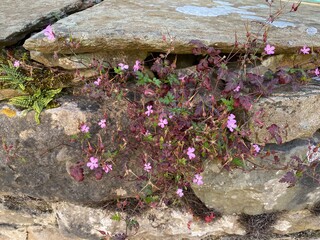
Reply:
x=179, y=122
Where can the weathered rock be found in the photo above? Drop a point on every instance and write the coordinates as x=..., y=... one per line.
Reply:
x=120, y=25
x=158, y=223
x=296, y=221
x=83, y=60
x=38, y=164
x=259, y=191
x=19, y=18
x=40, y=233
x=294, y=112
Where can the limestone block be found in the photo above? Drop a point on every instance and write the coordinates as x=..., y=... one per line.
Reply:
x=296, y=221
x=258, y=191
x=121, y=25
x=19, y=18
x=39, y=164
x=158, y=223
x=296, y=113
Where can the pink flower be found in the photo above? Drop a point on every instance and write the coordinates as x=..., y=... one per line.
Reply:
x=147, y=133
x=190, y=153
x=48, y=32
x=197, y=179
x=136, y=66
x=93, y=163
x=84, y=128
x=102, y=123
x=256, y=148
x=147, y=167
x=107, y=168
x=149, y=110
x=97, y=82
x=123, y=66
x=269, y=49
x=232, y=123
x=182, y=78
x=317, y=72
x=305, y=50
x=162, y=122
x=237, y=89
x=16, y=63
x=179, y=192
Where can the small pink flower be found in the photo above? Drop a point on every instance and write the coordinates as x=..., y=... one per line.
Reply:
x=123, y=66
x=182, y=78
x=84, y=128
x=16, y=63
x=305, y=50
x=107, y=168
x=147, y=133
x=232, y=123
x=147, y=167
x=136, y=66
x=97, y=82
x=48, y=32
x=190, y=153
x=269, y=49
x=256, y=148
x=149, y=110
x=317, y=72
x=179, y=192
x=162, y=122
x=102, y=123
x=93, y=163
x=197, y=179
x=237, y=89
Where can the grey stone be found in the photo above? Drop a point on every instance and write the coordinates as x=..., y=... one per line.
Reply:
x=296, y=221
x=259, y=191
x=166, y=223
x=140, y=25
x=42, y=154
x=19, y=18
x=295, y=112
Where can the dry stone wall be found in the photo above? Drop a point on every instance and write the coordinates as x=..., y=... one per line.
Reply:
x=40, y=200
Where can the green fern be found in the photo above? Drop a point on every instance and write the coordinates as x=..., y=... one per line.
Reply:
x=22, y=101
x=37, y=102
x=13, y=77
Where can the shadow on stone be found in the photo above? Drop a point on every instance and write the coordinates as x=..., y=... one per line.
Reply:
x=258, y=226
x=198, y=208
x=316, y=209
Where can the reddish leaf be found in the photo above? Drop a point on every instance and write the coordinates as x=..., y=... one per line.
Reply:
x=290, y=178
x=77, y=173
x=98, y=173
x=245, y=102
x=274, y=130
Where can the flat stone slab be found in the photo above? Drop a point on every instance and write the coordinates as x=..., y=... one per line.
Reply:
x=141, y=25
x=259, y=191
x=19, y=18
x=294, y=112
x=40, y=160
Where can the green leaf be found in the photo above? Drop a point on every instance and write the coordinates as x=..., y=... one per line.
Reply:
x=116, y=217
x=157, y=82
x=228, y=103
x=182, y=161
x=238, y=162
x=169, y=98
x=172, y=79
x=118, y=70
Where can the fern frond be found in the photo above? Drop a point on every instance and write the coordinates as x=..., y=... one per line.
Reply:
x=13, y=76
x=22, y=101
x=52, y=93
